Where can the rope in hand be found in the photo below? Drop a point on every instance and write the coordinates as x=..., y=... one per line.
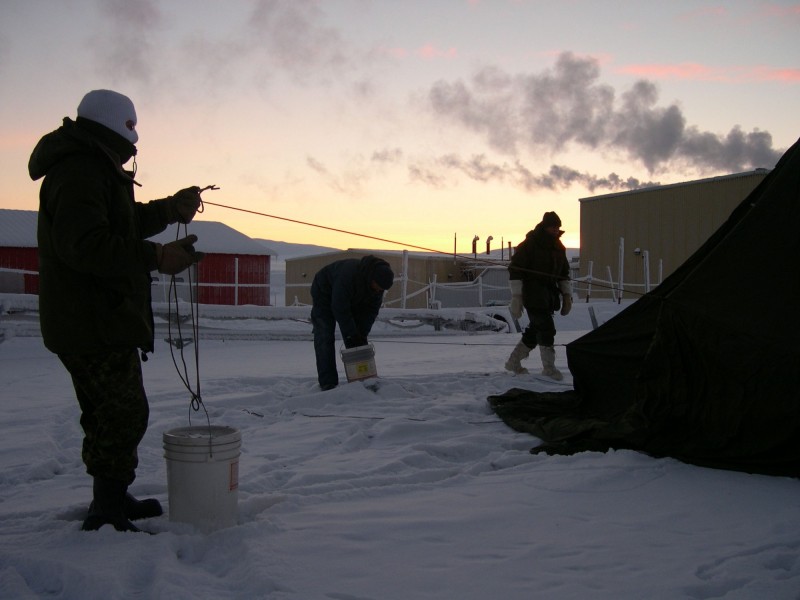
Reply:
x=196, y=401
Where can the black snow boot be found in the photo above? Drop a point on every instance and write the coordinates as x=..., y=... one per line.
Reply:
x=107, y=506
x=141, y=509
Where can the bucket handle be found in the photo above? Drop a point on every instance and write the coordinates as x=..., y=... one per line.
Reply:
x=367, y=345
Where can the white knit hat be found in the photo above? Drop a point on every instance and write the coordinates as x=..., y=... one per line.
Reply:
x=111, y=109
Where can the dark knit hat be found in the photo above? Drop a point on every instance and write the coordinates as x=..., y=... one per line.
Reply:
x=112, y=110
x=551, y=219
x=383, y=276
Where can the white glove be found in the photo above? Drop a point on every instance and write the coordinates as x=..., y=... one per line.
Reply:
x=565, y=287
x=515, y=308
x=566, y=304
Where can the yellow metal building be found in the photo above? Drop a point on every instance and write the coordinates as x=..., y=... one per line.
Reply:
x=422, y=268
x=646, y=234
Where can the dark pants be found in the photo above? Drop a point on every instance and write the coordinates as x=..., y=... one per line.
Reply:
x=540, y=331
x=114, y=410
x=324, y=326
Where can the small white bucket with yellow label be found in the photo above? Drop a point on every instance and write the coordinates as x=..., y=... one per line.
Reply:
x=359, y=362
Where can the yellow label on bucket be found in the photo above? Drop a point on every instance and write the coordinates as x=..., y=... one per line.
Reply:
x=359, y=363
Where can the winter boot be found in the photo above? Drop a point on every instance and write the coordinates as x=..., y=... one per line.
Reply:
x=135, y=509
x=519, y=353
x=107, y=506
x=141, y=509
x=548, y=354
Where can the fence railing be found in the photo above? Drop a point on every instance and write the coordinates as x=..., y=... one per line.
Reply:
x=476, y=293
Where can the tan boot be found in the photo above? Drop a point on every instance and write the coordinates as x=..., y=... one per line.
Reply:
x=548, y=354
x=519, y=353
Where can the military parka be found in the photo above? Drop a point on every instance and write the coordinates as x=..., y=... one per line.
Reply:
x=94, y=260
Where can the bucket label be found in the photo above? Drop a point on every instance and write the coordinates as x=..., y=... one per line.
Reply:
x=234, y=476
x=362, y=368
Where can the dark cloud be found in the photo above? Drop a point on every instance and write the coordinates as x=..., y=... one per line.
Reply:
x=316, y=165
x=737, y=148
x=479, y=168
x=426, y=176
x=124, y=45
x=291, y=37
x=278, y=39
x=273, y=38
x=569, y=106
x=387, y=155
x=348, y=182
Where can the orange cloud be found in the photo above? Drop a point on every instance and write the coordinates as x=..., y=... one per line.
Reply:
x=773, y=10
x=769, y=11
x=772, y=74
x=429, y=51
x=698, y=72
x=681, y=71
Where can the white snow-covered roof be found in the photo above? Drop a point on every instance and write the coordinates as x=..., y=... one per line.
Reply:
x=18, y=230
x=216, y=238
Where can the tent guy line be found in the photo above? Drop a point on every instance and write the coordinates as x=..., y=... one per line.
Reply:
x=306, y=223
x=380, y=239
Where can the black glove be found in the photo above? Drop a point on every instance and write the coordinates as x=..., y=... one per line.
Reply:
x=184, y=204
x=177, y=256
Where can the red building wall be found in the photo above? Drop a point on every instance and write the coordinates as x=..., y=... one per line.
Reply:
x=221, y=270
x=217, y=269
x=24, y=259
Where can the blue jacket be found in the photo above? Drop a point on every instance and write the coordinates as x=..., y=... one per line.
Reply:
x=343, y=287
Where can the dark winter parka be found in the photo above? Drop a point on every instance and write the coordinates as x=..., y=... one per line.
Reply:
x=344, y=286
x=94, y=262
x=540, y=261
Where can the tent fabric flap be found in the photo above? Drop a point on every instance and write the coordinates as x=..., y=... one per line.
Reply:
x=705, y=368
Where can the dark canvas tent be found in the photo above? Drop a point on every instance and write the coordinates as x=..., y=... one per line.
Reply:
x=706, y=367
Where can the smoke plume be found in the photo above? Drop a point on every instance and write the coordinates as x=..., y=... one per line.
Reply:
x=569, y=106
x=515, y=173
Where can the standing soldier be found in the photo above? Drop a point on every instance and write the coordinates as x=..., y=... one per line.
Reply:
x=539, y=280
x=94, y=300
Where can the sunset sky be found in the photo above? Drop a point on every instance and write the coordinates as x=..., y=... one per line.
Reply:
x=409, y=120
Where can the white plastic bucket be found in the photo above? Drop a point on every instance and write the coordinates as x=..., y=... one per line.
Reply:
x=203, y=475
x=359, y=362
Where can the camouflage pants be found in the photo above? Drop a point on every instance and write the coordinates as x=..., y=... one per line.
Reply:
x=114, y=410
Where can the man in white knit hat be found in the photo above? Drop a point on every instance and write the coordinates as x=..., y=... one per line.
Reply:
x=94, y=297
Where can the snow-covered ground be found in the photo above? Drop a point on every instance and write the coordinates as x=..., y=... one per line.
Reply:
x=402, y=487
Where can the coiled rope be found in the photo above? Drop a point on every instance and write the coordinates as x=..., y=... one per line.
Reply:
x=196, y=399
